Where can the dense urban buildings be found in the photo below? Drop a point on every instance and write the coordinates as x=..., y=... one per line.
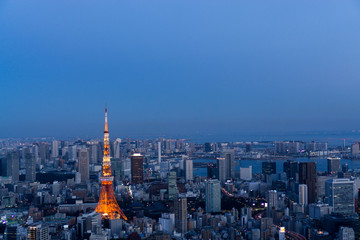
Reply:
x=177, y=189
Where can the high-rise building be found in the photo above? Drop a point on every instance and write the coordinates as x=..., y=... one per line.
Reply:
x=212, y=196
x=229, y=164
x=303, y=195
x=180, y=207
x=84, y=169
x=38, y=232
x=55, y=149
x=159, y=151
x=212, y=171
x=308, y=176
x=272, y=202
x=333, y=165
x=291, y=169
x=13, y=162
x=11, y=232
x=222, y=169
x=346, y=233
x=355, y=149
x=268, y=168
x=172, y=187
x=30, y=169
x=340, y=195
x=44, y=152
x=107, y=206
x=137, y=171
x=188, y=169
x=246, y=173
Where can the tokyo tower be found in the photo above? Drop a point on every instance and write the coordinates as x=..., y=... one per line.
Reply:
x=107, y=205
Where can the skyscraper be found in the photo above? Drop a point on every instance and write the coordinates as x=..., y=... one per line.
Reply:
x=291, y=169
x=83, y=160
x=38, y=232
x=333, y=165
x=55, y=149
x=222, y=170
x=180, y=208
x=30, y=169
x=308, y=176
x=159, y=151
x=340, y=195
x=172, y=187
x=107, y=206
x=272, y=201
x=13, y=159
x=268, y=168
x=212, y=196
x=44, y=152
x=229, y=164
x=188, y=169
x=137, y=171
x=212, y=171
x=303, y=195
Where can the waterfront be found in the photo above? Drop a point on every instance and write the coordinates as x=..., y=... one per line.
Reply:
x=321, y=164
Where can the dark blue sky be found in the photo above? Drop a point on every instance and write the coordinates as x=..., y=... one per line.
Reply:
x=178, y=67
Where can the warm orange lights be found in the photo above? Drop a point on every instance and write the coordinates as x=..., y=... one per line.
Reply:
x=107, y=205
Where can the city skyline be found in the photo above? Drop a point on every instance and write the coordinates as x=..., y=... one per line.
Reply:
x=219, y=68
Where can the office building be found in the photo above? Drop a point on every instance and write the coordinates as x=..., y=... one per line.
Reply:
x=333, y=165
x=212, y=196
x=212, y=171
x=346, y=233
x=272, y=202
x=303, y=195
x=268, y=168
x=137, y=172
x=291, y=169
x=13, y=162
x=229, y=164
x=38, y=232
x=180, y=207
x=308, y=176
x=221, y=168
x=340, y=195
x=246, y=173
x=55, y=149
x=188, y=169
x=30, y=170
x=83, y=159
x=172, y=187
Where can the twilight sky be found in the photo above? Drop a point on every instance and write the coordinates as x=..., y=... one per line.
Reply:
x=178, y=67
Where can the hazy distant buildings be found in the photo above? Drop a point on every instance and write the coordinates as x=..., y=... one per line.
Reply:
x=84, y=169
x=355, y=150
x=340, y=195
x=137, y=171
x=308, y=176
x=212, y=196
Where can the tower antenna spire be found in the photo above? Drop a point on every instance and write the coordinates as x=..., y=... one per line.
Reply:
x=107, y=205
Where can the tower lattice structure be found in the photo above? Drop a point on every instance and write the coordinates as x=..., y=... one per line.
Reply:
x=107, y=205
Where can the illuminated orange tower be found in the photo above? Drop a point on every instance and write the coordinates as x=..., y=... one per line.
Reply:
x=107, y=205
